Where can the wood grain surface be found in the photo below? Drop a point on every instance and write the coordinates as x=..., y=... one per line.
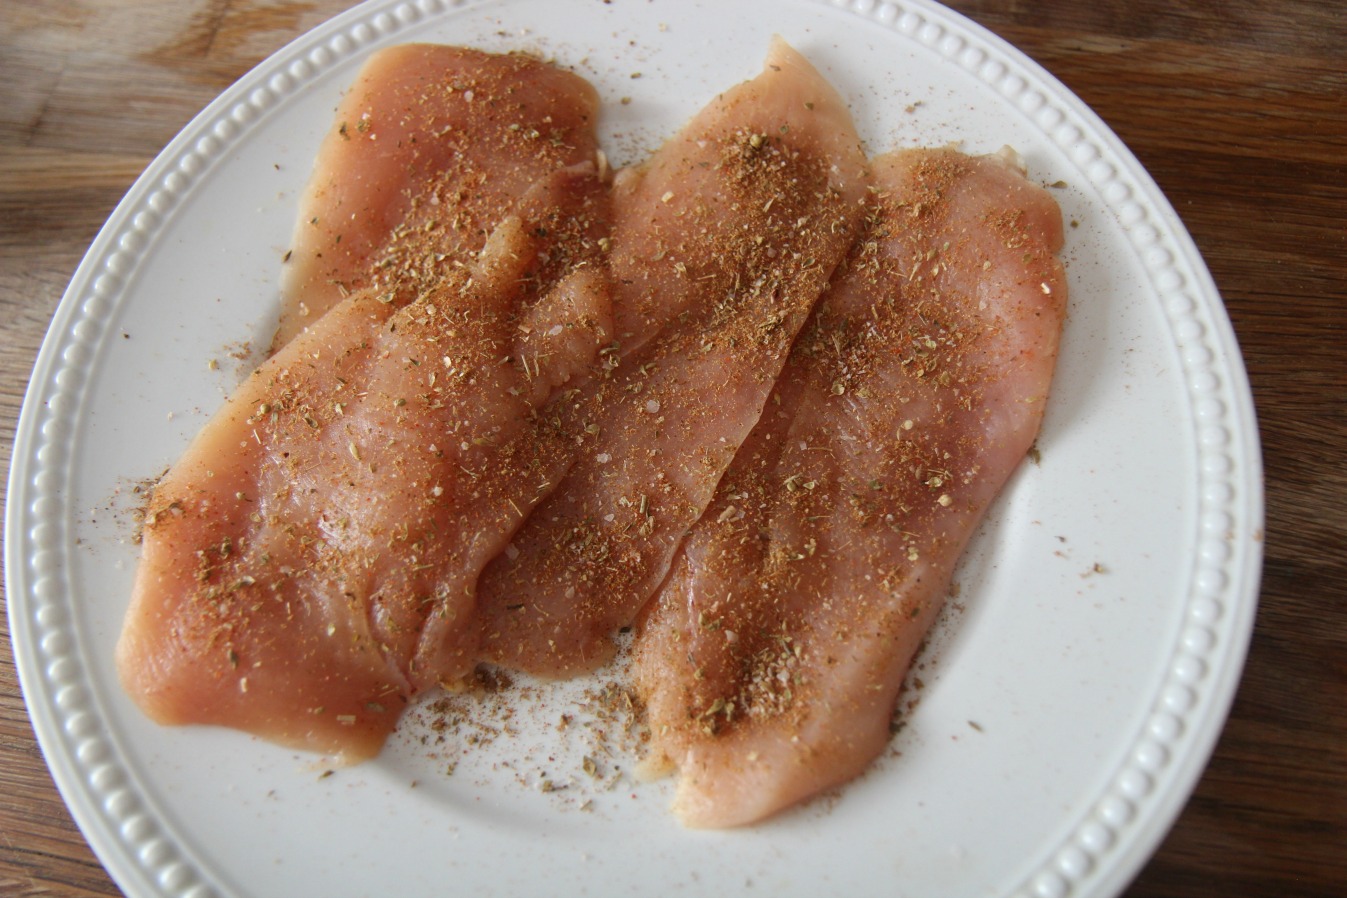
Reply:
x=1237, y=110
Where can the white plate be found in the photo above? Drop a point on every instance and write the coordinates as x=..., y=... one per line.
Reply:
x=1071, y=703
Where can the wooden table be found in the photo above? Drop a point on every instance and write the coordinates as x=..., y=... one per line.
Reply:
x=1236, y=108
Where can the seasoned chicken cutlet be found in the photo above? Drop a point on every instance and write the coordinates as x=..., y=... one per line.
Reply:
x=305, y=561
x=426, y=148
x=771, y=661
x=721, y=244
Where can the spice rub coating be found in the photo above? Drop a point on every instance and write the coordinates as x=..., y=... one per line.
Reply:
x=771, y=660
x=306, y=563
x=427, y=146
x=722, y=242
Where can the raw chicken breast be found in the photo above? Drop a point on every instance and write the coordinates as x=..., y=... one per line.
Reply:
x=307, y=561
x=722, y=243
x=426, y=148
x=773, y=656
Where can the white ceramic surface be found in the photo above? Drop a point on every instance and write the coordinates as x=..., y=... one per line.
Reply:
x=1068, y=706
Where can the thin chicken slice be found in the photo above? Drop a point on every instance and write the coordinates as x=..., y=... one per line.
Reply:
x=722, y=243
x=426, y=148
x=772, y=659
x=307, y=558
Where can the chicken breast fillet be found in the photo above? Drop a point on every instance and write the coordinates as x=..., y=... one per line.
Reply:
x=308, y=559
x=427, y=147
x=722, y=242
x=771, y=661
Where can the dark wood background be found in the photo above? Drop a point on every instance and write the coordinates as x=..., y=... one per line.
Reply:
x=1235, y=107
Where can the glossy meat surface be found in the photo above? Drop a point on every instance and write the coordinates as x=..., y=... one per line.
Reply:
x=722, y=242
x=309, y=561
x=773, y=656
x=426, y=148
